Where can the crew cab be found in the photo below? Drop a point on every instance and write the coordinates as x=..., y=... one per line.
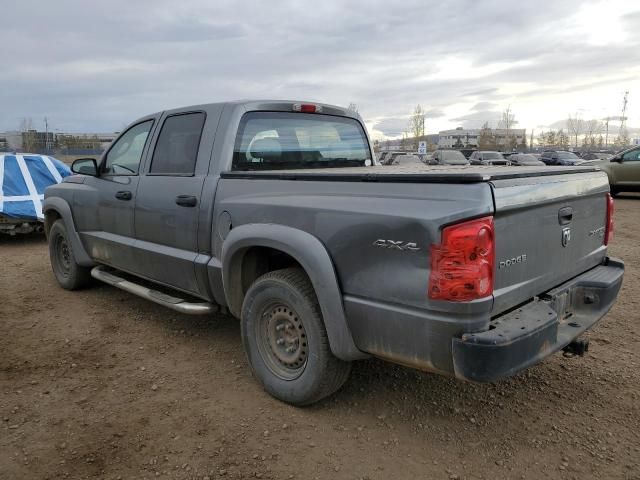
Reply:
x=276, y=212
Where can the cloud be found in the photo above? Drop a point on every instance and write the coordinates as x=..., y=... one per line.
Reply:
x=392, y=126
x=478, y=118
x=481, y=93
x=484, y=106
x=434, y=113
x=122, y=59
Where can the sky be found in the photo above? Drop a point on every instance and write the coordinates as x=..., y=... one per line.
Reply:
x=97, y=66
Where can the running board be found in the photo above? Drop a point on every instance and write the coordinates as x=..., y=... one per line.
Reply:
x=174, y=303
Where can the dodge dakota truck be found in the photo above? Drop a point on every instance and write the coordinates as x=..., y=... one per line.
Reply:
x=278, y=213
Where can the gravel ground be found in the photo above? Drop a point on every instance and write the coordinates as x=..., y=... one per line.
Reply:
x=102, y=384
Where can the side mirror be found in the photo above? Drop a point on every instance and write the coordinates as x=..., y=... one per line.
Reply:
x=616, y=159
x=85, y=166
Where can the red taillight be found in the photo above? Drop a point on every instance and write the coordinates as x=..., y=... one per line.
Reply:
x=306, y=108
x=608, y=230
x=462, y=265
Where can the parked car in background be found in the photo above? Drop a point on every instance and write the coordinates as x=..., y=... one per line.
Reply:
x=449, y=157
x=467, y=151
x=483, y=157
x=623, y=170
x=389, y=157
x=525, y=159
x=409, y=159
x=560, y=157
x=596, y=156
x=382, y=156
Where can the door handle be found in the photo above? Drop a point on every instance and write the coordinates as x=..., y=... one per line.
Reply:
x=186, y=200
x=124, y=195
x=565, y=215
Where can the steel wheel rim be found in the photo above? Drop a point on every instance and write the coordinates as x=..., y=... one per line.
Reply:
x=282, y=341
x=63, y=255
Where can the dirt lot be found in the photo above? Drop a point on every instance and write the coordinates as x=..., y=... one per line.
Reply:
x=101, y=384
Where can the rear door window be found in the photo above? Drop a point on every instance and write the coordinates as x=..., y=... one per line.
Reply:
x=283, y=140
x=176, y=150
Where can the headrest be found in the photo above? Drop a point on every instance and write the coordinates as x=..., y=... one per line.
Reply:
x=268, y=149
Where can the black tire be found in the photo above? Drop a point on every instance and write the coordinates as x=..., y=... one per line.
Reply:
x=285, y=339
x=69, y=274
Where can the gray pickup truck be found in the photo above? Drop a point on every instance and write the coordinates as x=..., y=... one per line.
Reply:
x=278, y=213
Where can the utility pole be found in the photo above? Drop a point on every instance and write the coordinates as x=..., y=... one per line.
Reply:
x=624, y=112
x=46, y=134
x=531, y=140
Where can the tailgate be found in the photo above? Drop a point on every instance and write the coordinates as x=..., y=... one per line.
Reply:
x=547, y=230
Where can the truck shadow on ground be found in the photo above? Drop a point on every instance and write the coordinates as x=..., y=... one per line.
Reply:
x=22, y=239
x=383, y=393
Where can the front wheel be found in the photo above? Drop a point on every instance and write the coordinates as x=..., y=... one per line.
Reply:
x=69, y=274
x=285, y=339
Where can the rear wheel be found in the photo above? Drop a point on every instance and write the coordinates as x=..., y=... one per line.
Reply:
x=285, y=339
x=69, y=274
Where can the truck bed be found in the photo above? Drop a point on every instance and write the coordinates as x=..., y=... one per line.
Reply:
x=410, y=173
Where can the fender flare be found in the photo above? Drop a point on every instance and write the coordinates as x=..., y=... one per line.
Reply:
x=61, y=207
x=309, y=252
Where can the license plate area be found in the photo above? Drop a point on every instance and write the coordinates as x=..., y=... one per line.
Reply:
x=562, y=304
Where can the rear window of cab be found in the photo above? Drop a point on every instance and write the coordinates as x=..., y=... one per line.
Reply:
x=287, y=140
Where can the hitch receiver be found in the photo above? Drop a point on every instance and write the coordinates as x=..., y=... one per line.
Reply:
x=577, y=347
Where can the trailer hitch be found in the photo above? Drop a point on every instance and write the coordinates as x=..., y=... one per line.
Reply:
x=577, y=347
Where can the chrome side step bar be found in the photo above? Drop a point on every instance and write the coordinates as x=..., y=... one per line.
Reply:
x=103, y=274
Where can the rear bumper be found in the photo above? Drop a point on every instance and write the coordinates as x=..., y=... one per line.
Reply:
x=543, y=326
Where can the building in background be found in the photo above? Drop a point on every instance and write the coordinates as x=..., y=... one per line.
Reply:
x=499, y=138
x=34, y=141
x=408, y=144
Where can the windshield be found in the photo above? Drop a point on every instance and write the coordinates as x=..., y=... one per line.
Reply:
x=453, y=157
x=524, y=158
x=567, y=156
x=283, y=140
x=492, y=156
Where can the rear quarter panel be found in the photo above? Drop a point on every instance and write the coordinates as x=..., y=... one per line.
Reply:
x=350, y=217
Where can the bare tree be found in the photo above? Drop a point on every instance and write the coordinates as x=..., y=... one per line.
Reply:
x=622, y=140
x=353, y=107
x=508, y=119
x=404, y=142
x=575, y=127
x=541, y=139
x=486, y=138
x=562, y=139
x=416, y=123
x=592, y=128
x=30, y=141
x=507, y=122
x=26, y=124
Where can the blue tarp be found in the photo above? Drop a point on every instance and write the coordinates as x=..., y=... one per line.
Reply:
x=23, y=179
